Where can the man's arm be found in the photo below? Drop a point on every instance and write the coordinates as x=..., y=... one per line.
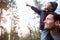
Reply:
x=34, y=8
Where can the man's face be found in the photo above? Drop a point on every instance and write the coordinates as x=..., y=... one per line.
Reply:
x=48, y=6
x=49, y=22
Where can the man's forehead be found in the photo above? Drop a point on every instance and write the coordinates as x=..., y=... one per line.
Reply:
x=50, y=16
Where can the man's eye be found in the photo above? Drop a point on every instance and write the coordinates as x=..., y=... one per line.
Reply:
x=48, y=19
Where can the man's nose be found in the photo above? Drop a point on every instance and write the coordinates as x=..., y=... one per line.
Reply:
x=44, y=21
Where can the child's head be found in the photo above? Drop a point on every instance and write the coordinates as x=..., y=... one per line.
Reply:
x=51, y=6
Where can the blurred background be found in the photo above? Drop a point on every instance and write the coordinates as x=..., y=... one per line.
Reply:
x=19, y=22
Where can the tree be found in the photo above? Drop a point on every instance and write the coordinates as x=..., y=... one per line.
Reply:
x=4, y=34
x=14, y=35
x=38, y=4
x=37, y=32
x=14, y=21
x=11, y=6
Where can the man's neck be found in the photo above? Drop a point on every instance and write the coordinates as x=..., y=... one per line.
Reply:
x=55, y=32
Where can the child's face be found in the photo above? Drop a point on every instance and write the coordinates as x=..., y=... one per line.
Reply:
x=48, y=6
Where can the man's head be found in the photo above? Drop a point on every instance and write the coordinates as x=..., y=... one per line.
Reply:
x=52, y=21
x=52, y=6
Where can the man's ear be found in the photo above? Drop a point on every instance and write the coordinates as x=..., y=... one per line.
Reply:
x=57, y=23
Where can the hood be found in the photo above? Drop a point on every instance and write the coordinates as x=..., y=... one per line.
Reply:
x=54, y=5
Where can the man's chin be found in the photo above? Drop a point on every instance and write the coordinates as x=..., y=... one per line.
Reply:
x=46, y=28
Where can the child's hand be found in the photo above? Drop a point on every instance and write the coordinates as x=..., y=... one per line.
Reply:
x=28, y=5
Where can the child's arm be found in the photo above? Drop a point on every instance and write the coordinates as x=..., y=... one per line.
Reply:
x=34, y=8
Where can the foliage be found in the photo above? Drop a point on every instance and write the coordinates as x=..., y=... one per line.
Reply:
x=4, y=35
x=34, y=35
x=38, y=4
x=14, y=35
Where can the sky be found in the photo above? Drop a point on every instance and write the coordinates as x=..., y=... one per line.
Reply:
x=26, y=16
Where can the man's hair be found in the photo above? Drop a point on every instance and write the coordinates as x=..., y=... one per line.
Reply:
x=55, y=16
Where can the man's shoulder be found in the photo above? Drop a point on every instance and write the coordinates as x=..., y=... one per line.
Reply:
x=57, y=37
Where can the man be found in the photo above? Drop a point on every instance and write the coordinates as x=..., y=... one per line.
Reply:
x=50, y=7
x=52, y=23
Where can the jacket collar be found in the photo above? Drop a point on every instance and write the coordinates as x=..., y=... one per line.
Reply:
x=48, y=11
